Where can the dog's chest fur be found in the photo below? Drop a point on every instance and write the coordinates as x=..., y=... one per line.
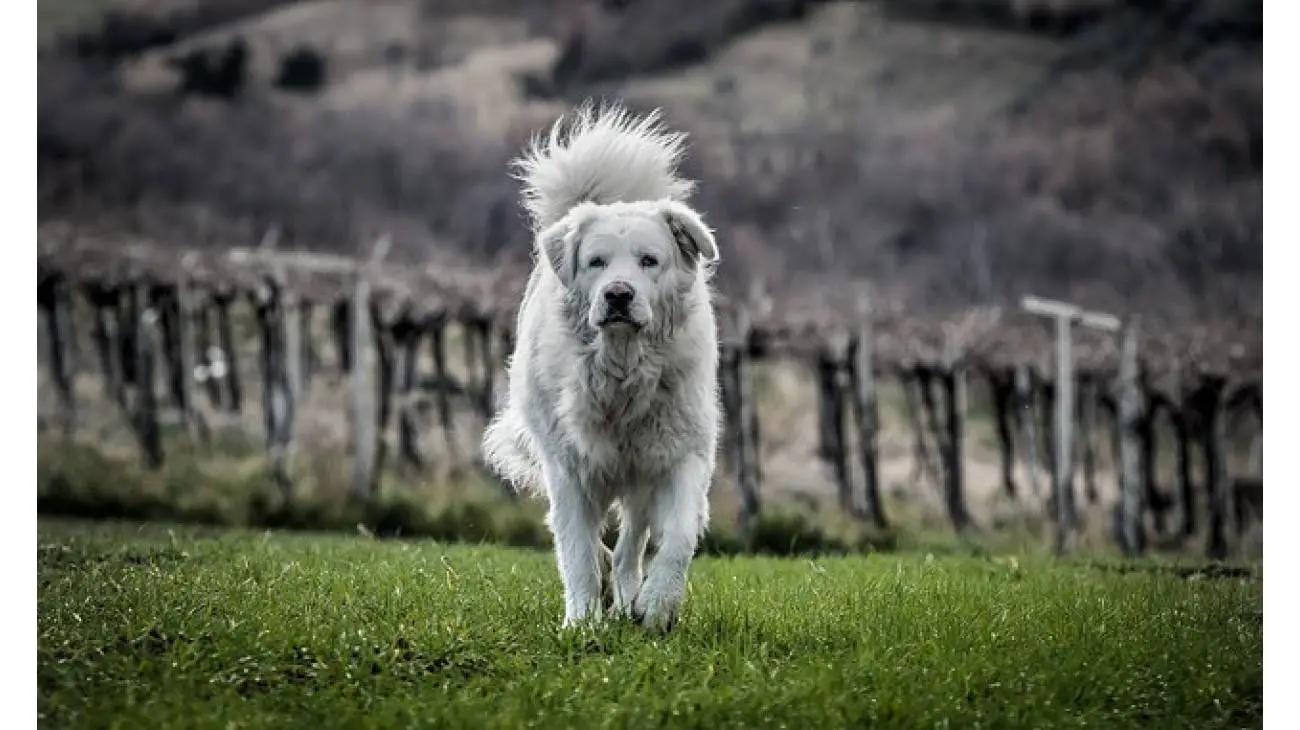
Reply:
x=629, y=419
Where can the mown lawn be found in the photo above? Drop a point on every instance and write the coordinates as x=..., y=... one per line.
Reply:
x=144, y=627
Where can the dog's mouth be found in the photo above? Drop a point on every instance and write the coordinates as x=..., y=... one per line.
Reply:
x=619, y=320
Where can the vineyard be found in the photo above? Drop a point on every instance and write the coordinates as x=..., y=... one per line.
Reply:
x=161, y=322
x=279, y=254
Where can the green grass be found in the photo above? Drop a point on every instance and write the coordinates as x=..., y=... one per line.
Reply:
x=204, y=627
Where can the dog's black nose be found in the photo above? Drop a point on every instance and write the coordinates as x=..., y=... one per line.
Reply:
x=619, y=295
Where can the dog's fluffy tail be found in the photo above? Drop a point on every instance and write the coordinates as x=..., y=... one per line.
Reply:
x=601, y=155
x=509, y=451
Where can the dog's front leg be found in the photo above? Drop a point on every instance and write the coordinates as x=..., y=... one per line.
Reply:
x=575, y=526
x=679, y=511
x=629, y=550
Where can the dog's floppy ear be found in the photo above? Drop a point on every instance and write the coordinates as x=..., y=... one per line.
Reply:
x=693, y=238
x=560, y=242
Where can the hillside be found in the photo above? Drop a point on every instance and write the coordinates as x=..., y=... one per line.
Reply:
x=955, y=152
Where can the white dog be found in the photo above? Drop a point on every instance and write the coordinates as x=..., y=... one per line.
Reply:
x=613, y=394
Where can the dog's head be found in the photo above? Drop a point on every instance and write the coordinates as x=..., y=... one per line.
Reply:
x=628, y=265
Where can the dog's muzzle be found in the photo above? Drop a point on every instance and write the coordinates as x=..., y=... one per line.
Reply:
x=618, y=299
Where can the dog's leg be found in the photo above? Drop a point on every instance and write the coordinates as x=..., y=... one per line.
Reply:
x=679, y=509
x=629, y=550
x=575, y=524
x=606, y=577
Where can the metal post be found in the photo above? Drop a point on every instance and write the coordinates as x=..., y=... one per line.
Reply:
x=1066, y=315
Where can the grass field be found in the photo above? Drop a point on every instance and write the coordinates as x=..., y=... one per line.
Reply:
x=196, y=627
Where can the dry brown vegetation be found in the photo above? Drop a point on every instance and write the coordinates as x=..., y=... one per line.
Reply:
x=1074, y=149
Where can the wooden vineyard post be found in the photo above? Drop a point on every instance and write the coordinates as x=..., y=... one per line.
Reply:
x=56, y=304
x=746, y=453
x=1024, y=384
x=474, y=390
x=365, y=412
x=727, y=398
x=488, y=362
x=438, y=351
x=340, y=332
x=187, y=341
x=1130, y=416
x=108, y=342
x=1183, y=453
x=61, y=320
x=274, y=307
x=386, y=366
x=164, y=299
x=277, y=392
x=1047, y=432
x=106, y=333
x=294, y=358
x=918, y=403
x=128, y=331
x=210, y=373
x=954, y=385
x=1216, y=467
x=863, y=380
x=1063, y=479
x=1003, y=395
x=145, y=415
x=1152, y=501
x=408, y=353
x=831, y=419
x=1087, y=436
x=305, y=353
x=1065, y=315
x=234, y=390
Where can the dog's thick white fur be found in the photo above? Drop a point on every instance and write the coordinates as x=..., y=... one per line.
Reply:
x=612, y=397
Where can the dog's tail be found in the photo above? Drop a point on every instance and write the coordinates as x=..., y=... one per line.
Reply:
x=509, y=451
x=601, y=155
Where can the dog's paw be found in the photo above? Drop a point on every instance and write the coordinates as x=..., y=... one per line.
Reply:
x=589, y=622
x=625, y=593
x=588, y=615
x=622, y=607
x=656, y=608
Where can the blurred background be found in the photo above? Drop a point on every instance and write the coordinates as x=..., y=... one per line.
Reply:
x=959, y=154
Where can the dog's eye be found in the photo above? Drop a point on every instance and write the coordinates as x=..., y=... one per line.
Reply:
x=596, y=262
x=649, y=261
